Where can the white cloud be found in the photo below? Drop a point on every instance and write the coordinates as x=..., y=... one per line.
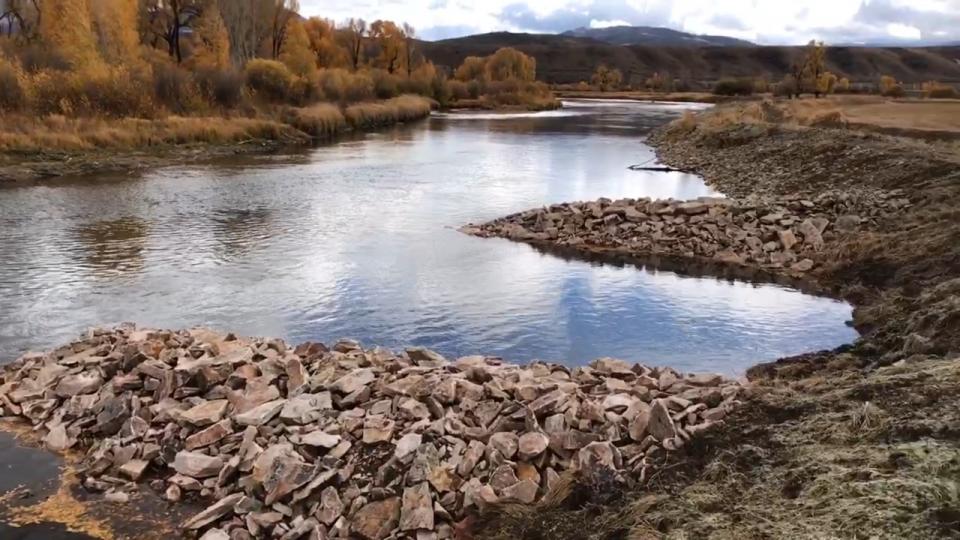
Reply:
x=904, y=31
x=594, y=23
x=764, y=21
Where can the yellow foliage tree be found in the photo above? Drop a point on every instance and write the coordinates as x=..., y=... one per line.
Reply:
x=605, y=78
x=66, y=26
x=843, y=85
x=116, y=23
x=390, y=40
x=826, y=83
x=212, y=41
x=510, y=64
x=473, y=68
x=295, y=52
x=322, y=36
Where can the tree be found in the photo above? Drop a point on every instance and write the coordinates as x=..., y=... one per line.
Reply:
x=212, y=41
x=116, y=23
x=826, y=83
x=510, y=64
x=390, y=41
x=351, y=36
x=22, y=15
x=806, y=70
x=843, y=85
x=296, y=53
x=322, y=36
x=248, y=24
x=473, y=68
x=606, y=78
x=411, y=58
x=66, y=26
x=166, y=20
x=282, y=12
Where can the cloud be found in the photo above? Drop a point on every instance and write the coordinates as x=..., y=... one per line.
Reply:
x=836, y=21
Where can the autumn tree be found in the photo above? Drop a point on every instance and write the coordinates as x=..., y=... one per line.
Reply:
x=67, y=27
x=390, y=41
x=22, y=15
x=808, y=68
x=843, y=85
x=116, y=24
x=322, y=36
x=351, y=36
x=166, y=19
x=211, y=40
x=296, y=53
x=473, y=68
x=248, y=24
x=510, y=64
x=826, y=83
x=282, y=12
x=605, y=78
x=411, y=57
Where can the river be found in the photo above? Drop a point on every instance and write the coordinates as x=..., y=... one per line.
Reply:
x=358, y=239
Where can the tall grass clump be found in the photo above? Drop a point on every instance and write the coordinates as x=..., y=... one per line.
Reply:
x=13, y=97
x=392, y=111
x=321, y=120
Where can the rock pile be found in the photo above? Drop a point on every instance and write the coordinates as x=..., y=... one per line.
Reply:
x=778, y=234
x=317, y=442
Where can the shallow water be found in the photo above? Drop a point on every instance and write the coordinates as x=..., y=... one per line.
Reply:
x=358, y=239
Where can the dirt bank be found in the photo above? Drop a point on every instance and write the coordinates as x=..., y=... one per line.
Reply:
x=855, y=443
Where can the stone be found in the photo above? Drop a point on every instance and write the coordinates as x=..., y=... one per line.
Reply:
x=532, y=444
x=598, y=454
x=505, y=442
x=286, y=474
x=470, y=458
x=661, y=425
x=320, y=439
x=205, y=414
x=331, y=507
x=376, y=520
x=134, y=469
x=692, y=208
x=522, y=492
x=261, y=414
x=377, y=429
x=425, y=357
x=81, y=383
x=215, y=534
x=306, y=408
x=503, y=477
x=221, y=508
x=416, y=512
x=57, y=439
x=353, y=381
x=197, y=465
x=787, y=239
x=847, y=223
x=407, y=445
x=211, y=435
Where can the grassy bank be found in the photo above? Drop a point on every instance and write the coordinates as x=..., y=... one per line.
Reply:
x=40, y=147
x=858, y=442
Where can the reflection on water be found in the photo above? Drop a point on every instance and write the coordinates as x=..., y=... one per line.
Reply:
x=357, y=239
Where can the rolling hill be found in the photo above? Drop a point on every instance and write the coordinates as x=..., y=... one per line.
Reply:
x=652, y=35
x=569, y=59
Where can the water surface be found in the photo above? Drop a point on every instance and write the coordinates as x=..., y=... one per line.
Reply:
x=358, y=240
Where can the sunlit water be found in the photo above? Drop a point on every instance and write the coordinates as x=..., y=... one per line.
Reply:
x=358, y=240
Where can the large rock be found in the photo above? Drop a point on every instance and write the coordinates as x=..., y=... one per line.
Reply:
x=205, y=414
x=416, y=512
x=376, y=520
x=219, y=509
x=81, y=383
x=262, y=414
x=197, y=465
x=532, y=444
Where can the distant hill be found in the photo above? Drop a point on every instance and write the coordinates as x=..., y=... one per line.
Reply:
x=652, y=35
x=569, y=59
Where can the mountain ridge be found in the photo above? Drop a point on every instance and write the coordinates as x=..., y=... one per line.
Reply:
x=654, y=35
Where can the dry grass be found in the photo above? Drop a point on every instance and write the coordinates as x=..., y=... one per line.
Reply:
x=59, y=133
x=323, y=120
x=375, y=114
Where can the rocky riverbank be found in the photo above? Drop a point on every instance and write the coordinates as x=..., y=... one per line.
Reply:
x=777, y=234
x=858, y=442
x=317, y=442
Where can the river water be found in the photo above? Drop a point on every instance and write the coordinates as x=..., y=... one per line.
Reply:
x=358, y=239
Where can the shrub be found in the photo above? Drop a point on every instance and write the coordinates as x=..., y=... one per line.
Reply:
x=344, y=86
x=12, y=94
x=474, y=88
x=175, y=88
x=268, y=79
x=385, y=85
x=943, y=92
x=734, y=87
x=116, y=92
x=459, y=90
x=36, y=58
x=222, y=88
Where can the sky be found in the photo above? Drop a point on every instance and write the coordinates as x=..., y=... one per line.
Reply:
x=771, y=22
